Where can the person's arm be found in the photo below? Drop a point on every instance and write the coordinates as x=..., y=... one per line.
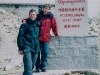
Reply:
x=20, y=37
x=54, y=26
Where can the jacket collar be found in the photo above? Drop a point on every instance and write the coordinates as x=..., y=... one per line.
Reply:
x=29, y=21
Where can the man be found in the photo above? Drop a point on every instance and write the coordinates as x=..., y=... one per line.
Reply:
x=28, y=42
x=48, y=21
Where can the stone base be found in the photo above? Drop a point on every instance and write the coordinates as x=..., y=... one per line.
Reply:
x=67, y=53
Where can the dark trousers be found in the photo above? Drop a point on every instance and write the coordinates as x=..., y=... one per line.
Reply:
x=42, y=55
x=29, y=60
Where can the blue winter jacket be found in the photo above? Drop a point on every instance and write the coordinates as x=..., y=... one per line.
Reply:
x=28, y=36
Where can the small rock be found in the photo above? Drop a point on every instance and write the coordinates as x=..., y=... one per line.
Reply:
x=8, y=67
x=8, y=59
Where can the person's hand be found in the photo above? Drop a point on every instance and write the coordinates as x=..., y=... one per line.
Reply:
x=24, y=21
x=21, y=52
x=58, y=35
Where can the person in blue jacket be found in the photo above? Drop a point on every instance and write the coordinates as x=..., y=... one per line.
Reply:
x=28, y=42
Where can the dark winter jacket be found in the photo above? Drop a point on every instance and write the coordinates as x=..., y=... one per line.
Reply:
x=28, y=36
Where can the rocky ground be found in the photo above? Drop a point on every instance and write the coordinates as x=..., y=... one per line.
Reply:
x=10, y=60
x=81, y=73
x=94, y=25
x=9, y=57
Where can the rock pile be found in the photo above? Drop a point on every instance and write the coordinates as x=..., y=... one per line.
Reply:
x=9, y=57
x=94, y=25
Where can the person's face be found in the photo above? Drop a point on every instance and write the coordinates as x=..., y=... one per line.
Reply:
x=32, y=15
x=46, y=10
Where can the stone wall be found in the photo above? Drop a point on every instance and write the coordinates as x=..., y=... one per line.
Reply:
x=73, y=53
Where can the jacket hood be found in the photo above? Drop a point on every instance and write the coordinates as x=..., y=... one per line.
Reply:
x=42, y=16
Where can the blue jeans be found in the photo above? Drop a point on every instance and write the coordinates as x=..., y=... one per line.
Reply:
x=41, y=63
x=29, y=60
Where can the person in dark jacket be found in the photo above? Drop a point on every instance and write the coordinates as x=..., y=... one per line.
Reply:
x=28, y=42
x=47, y=22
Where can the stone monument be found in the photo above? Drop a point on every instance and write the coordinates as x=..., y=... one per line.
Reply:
x=74, y=50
